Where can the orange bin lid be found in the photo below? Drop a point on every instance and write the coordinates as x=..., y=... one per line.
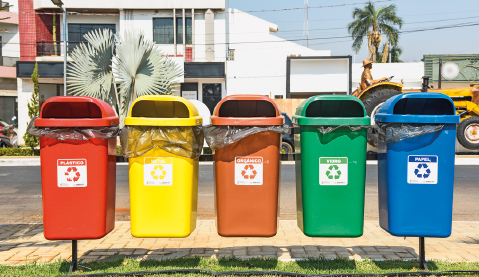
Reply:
x=247, y=110
x=76, y=111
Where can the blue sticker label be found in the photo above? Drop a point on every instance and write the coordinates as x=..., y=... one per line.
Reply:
x=422, y=170
x=427, y=159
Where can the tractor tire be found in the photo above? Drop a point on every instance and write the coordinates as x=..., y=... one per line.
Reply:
x=371, y=103
x=468, y=133
x=378, y=97
x=286, y=148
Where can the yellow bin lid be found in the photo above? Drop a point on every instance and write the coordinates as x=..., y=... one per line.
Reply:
x=163, y=110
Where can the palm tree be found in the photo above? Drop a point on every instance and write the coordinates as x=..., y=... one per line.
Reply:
x=373, y=23
x=383, y=55
x=396, y=51
x=137, y=65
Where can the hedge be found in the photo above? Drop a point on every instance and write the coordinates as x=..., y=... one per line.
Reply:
x=28, y=152
x=18, y=152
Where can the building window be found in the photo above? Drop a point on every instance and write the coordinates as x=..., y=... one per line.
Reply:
x=231, y=55
x=76, y=32
x=163, y=31
x=277, y=96
x=211, y=95
x=179, y=30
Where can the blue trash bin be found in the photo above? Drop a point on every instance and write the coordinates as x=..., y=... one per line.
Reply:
x=416, y=174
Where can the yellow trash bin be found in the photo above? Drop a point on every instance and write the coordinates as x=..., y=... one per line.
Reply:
x=163, y=140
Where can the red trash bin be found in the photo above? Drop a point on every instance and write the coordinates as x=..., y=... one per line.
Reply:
x=78, y=176
x=247, y=172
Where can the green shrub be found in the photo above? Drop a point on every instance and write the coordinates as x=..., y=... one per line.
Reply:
x=18, y=152
x=207, y=151
x=33, y=111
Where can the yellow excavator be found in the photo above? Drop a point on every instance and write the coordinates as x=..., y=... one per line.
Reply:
x=465, y=100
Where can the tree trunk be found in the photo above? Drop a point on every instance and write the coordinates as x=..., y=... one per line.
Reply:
x=385, y=52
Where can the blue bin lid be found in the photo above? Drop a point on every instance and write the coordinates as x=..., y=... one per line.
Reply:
x=418, y=107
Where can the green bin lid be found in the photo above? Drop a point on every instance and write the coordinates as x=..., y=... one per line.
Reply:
x=331, y=110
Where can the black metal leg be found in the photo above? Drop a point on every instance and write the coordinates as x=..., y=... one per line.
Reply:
x=422, y=254
x=74, y=264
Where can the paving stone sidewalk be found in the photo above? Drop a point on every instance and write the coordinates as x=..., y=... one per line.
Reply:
x=21, y=243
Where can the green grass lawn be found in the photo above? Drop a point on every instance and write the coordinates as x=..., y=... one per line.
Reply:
x=310, y=266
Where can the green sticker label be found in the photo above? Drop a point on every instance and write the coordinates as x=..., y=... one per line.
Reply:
x=333, y=171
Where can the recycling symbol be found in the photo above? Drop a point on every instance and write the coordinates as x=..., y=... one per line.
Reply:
x=72, y=174
x=158, y=172
x=425, y=171
x=252, y=171
x=335, y=175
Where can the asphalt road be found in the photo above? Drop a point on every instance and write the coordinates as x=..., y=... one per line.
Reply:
x=21, y=201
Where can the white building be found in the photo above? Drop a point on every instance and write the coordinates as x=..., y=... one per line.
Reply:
x=222, y=51
x=193, y=33
x=259, y=68
x=408, y=73
x=9, y=55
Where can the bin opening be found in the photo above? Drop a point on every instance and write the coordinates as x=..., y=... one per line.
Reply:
x=160, y=109
x=335, y=108
x=247, y=108
x=71, y=110
x=424, y=106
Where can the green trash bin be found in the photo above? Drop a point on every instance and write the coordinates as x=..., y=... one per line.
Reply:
x=330, y=146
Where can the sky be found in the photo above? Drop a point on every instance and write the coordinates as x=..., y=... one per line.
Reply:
x=416, y=15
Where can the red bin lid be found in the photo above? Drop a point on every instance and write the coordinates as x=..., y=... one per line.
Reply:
x=247, y=110
x=76, y=111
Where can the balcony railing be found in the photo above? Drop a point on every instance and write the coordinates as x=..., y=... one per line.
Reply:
x=8, y=61
x=54, y=48
x=5, y=5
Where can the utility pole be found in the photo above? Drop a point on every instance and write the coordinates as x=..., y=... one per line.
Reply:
x=306, y=25
x=60, y=4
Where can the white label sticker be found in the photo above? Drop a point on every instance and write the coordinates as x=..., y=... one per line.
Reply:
x=71, y=173
x=422, y=169
x=190, y=95
x=249, y=171
x=333, y=171
x=158, y=172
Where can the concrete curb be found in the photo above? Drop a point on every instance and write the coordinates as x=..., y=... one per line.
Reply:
x=20, y=161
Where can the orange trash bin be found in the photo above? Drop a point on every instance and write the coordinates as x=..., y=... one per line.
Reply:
x=247, y=172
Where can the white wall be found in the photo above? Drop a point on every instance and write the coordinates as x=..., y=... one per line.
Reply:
x=199, y=37
x=10, y=35
x=319, y=75
x=220, y=37
x=143, y=20
x=411, y=73
x=25, y=89
x=14, y=5
x=128, y=4
x=180, y=61
x=259, y=68
x=10, y=40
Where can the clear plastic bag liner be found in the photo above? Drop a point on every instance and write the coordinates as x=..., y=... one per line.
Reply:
x=74, y=133
x=396, y=132
x=184, y=141
x=221, y=136
x=328, y=129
